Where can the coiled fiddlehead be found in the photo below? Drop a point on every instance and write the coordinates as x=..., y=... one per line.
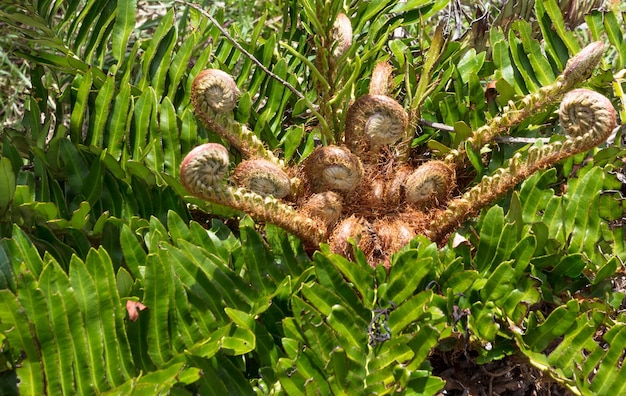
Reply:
x=214, y=95
x=213, y=91
x=374, y=121
x=201, y=173
x=381, y=82
x=578, y=69
x=332, y=168
x=325, y=206
x=262, y=177
x=429, y=184
x=342, y=35
x=587, y=117
x=205, y=166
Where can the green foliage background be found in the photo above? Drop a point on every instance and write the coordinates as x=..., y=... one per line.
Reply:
x=92, y=215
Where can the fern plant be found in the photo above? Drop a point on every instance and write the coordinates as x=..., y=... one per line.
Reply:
x=114, y=279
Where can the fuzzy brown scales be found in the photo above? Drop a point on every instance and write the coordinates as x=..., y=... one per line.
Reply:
x=365, y=193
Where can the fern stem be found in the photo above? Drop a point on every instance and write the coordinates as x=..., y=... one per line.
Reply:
x=588, y=119
x=578, y=69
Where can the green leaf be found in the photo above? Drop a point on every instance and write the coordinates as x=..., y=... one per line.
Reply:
x=490, y=232
x=501, y=57
x=556, y=42
x=123, y=27
x=609, y=376
x=92, y=188
x=7, y=275
x=80, y=216
x=23, y=251
x=79, y=106
x=500, y=283
x=607, y=270
x=557, y=323
x=581, y=213
x=75, y=166
x=616, y=37
x=143, y=109
x=475, y=159
x=520, y=58
x=14, y=318
x=156, y=298
x=409, y=312
x=118, y=361
x=200, y=282
x=165, y=26
x=405, y=276
x=157, y=382
x=541, y=67
x=96, y=132
x=360, y=276
x=119, y=122
x=170, y=136
x=180, y=64
x=393, y=351
x=55, y=285
x=88, y=304
x=7, y=184
x=159, y=65
x=259, y=261
x=568, y=37
x=571, y=265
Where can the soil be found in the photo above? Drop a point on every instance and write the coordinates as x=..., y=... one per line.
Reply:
x=511, y=376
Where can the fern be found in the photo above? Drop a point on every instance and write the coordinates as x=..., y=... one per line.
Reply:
x=114, y=281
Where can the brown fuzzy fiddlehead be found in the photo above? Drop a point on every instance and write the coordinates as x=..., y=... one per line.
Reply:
x=202, y=172
x=585, y=112
x=429, y=184
x=213, y=91
x=354, y=228
x=205, y=166
x=580, y=67
x=324, y=206
x=342, y=35
x=332, y=168
x=374, y=121
x=214, y=95
x=381, y=82
x=262, y=177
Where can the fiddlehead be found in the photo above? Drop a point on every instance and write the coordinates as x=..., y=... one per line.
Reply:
x=381, y=82
x=584, y=112
x=429, y=184
x=205, y=166
x=587, y=117
x=354, y=228
x=581, y=66
x=332, y=168
x=578, y=69
x=202, y=172
x=262, y=177
x=214, y=95
x=213, y=92
x=324, y=206
x=342, y=35
x=374, y=121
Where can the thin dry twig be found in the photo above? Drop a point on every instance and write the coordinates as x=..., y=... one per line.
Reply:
x=240, y=48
